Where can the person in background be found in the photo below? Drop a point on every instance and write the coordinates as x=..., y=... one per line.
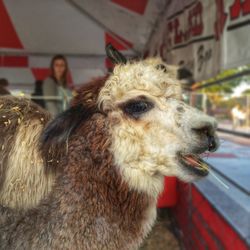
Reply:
x=238, y=115
x=38, y=92
x=3, y=87
x=56, y=85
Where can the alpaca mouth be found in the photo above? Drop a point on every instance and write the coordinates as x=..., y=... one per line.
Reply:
x=194, y=164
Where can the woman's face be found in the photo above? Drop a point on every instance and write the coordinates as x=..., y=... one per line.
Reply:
x=59, y=68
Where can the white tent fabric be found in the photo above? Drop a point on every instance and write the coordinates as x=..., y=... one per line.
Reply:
x=136, y=27
x=49, y=27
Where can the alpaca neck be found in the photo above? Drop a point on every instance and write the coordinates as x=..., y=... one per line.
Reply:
x=91, y=196
x=98, y=202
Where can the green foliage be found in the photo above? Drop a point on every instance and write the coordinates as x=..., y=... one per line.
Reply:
x=227, y=86
x=221, y=88
x=246, y=92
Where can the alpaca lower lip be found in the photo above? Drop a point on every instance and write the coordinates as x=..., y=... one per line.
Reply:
x=194, y=164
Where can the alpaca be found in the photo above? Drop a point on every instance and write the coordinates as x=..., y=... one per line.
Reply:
x=23, y=181
x=106, y=158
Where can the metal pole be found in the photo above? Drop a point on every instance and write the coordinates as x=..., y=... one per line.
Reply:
x=204, y=103
x=248, y=112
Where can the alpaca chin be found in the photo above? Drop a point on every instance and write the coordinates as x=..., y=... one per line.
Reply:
x=142, y=181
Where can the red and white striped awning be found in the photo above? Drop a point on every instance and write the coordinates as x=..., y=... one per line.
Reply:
x=32, y=31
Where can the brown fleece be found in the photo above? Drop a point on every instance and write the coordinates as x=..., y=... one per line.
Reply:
x=87, y=94
x=13, y=113
x=56, y=134
x=90, y=206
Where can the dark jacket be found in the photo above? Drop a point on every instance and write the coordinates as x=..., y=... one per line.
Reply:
x=4, y=91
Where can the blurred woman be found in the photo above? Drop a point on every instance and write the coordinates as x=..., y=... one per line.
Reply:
x=56, y=85
x=3, y=87
x=38, y=92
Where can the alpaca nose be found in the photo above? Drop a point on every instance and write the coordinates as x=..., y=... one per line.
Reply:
x=212, y=145
x=208, y=131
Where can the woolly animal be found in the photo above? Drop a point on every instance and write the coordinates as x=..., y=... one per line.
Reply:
x=93, y=173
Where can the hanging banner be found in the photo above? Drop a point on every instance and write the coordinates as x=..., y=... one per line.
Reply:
x=204, y=36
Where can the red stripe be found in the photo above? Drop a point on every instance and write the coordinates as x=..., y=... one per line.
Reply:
x=195, y=242
x=137, y=6
x=201, y=226
x=118, y=42
x=14, y=61
x=169, y=195
x=222, y=155
x=203, y=232
x=216, y=223
x=40, y=73
x=8, y=35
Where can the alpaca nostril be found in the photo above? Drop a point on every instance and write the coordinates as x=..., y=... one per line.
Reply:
x=207, y=131
x=212, y=145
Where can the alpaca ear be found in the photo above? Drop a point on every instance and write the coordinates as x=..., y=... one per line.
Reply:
x=114, y=55
x=55, y=136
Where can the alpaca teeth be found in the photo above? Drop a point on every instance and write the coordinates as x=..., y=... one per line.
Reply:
x=194, y=161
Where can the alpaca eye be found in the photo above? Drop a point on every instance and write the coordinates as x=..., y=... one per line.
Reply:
x=137, y=108
x=161, y=67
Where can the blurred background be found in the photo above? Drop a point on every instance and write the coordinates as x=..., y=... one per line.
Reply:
x=62, y=43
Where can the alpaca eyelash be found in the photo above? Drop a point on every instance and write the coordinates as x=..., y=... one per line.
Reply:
x=136, y=108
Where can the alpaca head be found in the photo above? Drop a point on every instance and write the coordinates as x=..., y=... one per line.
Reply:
x=153, y=133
